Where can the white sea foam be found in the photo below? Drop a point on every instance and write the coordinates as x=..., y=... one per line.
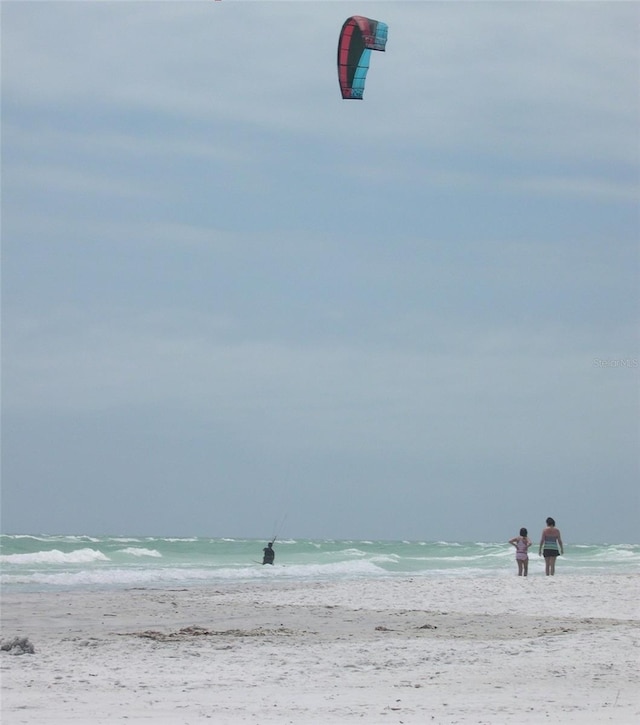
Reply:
x=54, y=556
x=348, y=552
x=105, y=578
x=135, y=551
x=617, y=552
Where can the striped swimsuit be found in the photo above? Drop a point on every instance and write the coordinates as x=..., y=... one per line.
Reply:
x=521, y=550
x=551, y=547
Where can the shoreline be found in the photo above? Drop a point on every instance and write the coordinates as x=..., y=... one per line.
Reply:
x=519, y=650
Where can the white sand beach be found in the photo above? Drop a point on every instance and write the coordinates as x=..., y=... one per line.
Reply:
x=479, y=650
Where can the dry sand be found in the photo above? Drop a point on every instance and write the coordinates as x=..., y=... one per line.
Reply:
x=449, y=650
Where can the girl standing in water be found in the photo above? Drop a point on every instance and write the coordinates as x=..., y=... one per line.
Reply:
x=551, y=546
x=522, y=544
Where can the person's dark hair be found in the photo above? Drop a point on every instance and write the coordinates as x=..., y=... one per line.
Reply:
x=523, y=531
x=550, y=522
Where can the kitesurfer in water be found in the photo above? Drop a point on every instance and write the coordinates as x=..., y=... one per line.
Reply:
x=269, y=554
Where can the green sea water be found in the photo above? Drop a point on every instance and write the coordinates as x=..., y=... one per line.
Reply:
x=30, y=562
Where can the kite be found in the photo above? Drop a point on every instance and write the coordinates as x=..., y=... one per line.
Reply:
x=358, y=37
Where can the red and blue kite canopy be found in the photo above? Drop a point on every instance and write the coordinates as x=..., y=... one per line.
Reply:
x=358, y=37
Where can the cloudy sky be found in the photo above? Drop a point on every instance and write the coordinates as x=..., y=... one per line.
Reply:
x=229, y=296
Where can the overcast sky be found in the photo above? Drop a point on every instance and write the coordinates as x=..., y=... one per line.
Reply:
x=229, y=296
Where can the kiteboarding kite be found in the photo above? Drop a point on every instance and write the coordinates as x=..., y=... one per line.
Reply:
x=358, y=37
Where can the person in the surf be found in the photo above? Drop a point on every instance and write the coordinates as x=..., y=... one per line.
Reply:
x=551, y=546
x=268, y=554
x=522, y=544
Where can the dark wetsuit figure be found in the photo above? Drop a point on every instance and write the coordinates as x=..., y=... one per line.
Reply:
x=269, y=554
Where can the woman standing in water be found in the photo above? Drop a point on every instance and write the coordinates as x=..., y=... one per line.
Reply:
x=551, y=546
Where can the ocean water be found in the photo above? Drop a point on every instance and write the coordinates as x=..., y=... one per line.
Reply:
x=51, y=563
